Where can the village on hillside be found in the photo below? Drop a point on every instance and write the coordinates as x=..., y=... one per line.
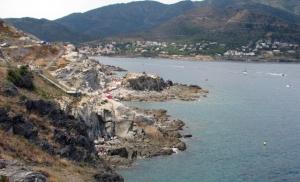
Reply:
x=262, y=48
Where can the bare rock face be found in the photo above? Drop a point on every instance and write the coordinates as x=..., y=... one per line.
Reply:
x=99, y=120
x=94, y=121
x=84, y=75
x=105, y=118
x=143, y=81
x=123, y=128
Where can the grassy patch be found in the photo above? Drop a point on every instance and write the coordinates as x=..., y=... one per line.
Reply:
x=21, y=77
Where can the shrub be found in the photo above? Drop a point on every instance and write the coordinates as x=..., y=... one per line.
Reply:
x=21, y=77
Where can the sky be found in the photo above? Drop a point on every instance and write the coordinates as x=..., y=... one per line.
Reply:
x=53, y=9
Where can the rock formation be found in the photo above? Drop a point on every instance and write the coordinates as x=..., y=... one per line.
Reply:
x=92, y=128
x=143, y=81
x=14, y=171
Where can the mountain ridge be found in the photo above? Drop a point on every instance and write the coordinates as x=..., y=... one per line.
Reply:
x=45, y=29
x=230, y=21
x=149, y=19
x=132, y=17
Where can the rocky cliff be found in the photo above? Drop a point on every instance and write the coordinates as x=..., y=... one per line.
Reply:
x=41, y=141
x=73, y=116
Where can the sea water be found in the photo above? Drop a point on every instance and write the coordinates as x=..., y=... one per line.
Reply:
x=247, y=129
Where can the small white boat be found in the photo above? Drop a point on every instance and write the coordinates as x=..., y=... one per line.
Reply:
x=245, y=72
x=265, y=143
x=277, y=74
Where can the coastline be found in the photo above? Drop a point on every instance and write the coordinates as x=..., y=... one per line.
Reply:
x=124, y=134
x=155, y=132
x=209, y=58
x=75, y=115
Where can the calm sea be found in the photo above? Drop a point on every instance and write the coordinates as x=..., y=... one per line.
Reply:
x=230, y=126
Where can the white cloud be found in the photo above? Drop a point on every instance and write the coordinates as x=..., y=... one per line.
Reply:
x=52, y=9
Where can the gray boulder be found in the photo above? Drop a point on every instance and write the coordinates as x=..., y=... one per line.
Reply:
x=16, y=172
x=181, y=146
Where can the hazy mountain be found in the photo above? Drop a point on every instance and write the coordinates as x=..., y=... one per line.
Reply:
x=235, y=21
x=105, y=21
x=230, y=21
x=123, y=18
x=46, y=29
x=292, y=6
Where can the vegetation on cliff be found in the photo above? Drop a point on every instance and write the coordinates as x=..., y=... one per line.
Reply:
x=21, y=77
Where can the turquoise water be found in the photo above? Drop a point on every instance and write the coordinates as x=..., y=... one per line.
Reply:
x=230, y=125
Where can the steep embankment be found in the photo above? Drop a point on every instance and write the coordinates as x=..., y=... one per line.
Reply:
x=39, y=141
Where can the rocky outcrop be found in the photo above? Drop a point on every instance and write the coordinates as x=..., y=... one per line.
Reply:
x=80, y=128
x=17, y=125
x=85, y=75
x=122, y=134
x=71, y=134
x=69, y=140
x=143, y=81
x=23, y=127
x=106, y=118
x=108, y=177
x=120, y=151
x=98, y=120
x=16, y=172
x=181, y=146
x=38, y=132
x=147, y=87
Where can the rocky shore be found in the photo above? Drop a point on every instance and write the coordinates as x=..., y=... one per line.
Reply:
x=71, y=125
x=123, y=134
x=147, y=87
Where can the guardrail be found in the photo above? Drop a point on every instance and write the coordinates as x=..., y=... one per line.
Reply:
x=75, y=93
